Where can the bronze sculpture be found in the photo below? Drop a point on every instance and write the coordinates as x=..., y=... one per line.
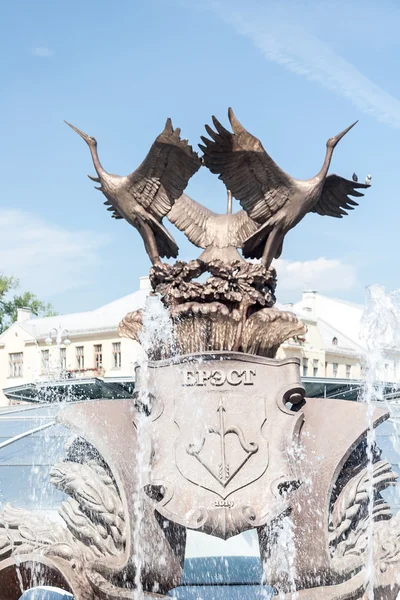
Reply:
x=145, y=196
x=220, y=235
x=228, y=440
x=274, y=199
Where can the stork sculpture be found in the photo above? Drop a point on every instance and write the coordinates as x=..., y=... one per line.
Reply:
x=145, y=196
x=272, y=198
x=219, y=234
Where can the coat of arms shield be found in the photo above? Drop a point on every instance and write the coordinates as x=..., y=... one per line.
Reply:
x=213, y=422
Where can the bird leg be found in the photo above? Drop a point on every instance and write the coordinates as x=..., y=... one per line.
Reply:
x=272, y=245
x=149, y=241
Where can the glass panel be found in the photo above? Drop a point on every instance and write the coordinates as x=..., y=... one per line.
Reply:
x=392, y=497
x=222, y=569
x=42, y=410
x=390, y=454
x=38, y=450
x=55, y=431
x=10, y=428
x=4, y=410
x=17, y=410
x=28, y=487
x=226, y=592
x=386, y=428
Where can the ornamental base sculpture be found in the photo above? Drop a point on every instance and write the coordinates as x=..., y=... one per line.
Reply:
x=256, y=454
x=219, y=436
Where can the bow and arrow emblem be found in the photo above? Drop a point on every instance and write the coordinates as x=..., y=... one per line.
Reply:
x=224, y=472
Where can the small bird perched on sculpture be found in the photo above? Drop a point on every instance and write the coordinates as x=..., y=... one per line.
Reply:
x=354, y=177
x=219, y=234
x=271, y=197
x=145, y=196
x=368, y=180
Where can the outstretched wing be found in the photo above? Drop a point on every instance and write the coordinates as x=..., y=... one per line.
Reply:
x=246, y=169
x=192, y=218
x=205, y=228
x=241, y=227
x=335, y=196
x=164, y=173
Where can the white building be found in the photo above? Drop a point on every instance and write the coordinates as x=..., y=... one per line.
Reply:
x=341, y=345
x=330, y=349
x=90, y=349
x=91, y=359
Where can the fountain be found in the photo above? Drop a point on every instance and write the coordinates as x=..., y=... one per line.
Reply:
x=218, y=437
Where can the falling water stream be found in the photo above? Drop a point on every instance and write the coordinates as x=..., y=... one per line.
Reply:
x=380, y=331
x=156, y=333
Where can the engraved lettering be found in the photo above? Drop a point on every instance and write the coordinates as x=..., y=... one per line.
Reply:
x=248, y=374
x=218, y=378
x=190, y=378
x=203, y=376
x=224, y=503
x=234, y=377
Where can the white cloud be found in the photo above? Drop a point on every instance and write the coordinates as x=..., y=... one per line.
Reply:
x=296, y=49
x=322, y=275
x=42, y=51
x=46, y=258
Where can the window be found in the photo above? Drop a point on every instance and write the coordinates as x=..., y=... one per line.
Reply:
x=305, y=367
x=98, y=356
x=63, y=358
x=16, y=363
x=116, y=355
x=45, y=360
x=80, y=358
x=315, y=367
x=335, y=341
x=348, y=371
x=335, y=369
x=326, y=369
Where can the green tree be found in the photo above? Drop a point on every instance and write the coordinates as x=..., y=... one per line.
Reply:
x=9, y=303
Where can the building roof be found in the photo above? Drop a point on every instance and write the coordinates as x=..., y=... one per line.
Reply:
x=343, y=344
x=104, y=318
x=334, y=318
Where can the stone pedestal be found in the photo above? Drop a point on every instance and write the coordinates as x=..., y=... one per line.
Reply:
x=220, y=443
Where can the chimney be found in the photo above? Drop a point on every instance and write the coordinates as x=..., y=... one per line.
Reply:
x=144, y=283
x=23, y=314
x=309, y=302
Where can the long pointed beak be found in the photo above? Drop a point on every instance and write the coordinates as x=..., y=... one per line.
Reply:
x=83, y=135
x=343, y=133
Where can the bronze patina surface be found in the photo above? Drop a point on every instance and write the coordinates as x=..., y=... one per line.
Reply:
x=218, y=436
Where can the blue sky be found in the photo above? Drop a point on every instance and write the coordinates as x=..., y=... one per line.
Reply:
x=295, y=73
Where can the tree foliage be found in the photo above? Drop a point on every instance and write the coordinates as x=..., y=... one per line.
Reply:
x=10, y=303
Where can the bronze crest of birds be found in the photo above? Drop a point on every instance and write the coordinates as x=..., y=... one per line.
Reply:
x=145, y=196
x=271, y=197
x=219, y=234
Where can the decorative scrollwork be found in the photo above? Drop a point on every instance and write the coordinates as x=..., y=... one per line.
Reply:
x=94, y=520
x=349, y=518
x=231, y=310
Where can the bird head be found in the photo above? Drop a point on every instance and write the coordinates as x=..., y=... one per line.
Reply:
x=91, y=141
x=333, y=141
